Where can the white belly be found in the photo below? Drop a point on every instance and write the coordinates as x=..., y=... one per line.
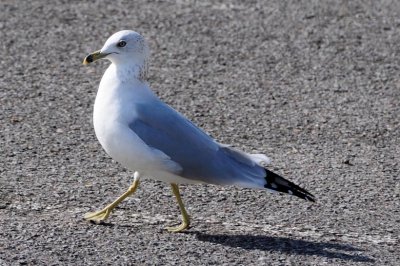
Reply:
x=125, y=147
x=113, y=111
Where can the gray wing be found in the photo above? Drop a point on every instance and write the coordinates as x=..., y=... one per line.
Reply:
x=200, y=157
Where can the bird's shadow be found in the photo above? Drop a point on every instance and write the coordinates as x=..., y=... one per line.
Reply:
x=286, y=245
x=342, y=251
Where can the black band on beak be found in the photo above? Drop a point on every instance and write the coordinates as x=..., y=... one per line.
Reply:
x=89, y=58
x=93, y=57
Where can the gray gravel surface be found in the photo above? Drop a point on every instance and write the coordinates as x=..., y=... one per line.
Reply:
x=313, y=84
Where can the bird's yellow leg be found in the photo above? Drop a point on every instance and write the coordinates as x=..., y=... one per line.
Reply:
x=185, y=217
x=103, y=214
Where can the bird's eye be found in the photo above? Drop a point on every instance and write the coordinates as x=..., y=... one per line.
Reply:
x=121, y=43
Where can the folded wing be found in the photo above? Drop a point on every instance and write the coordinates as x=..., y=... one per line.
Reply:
x=200, y=157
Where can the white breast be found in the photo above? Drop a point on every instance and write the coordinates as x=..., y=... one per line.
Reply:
x=113, y=111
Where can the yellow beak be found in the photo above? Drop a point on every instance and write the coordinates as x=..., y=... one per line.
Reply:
x=93, y=57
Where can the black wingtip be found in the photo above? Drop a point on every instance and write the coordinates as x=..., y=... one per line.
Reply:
x=278, y=183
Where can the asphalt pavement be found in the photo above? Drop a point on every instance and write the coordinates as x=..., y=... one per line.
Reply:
x=313, y=84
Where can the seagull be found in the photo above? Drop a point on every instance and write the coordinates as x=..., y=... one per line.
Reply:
x=155, y=141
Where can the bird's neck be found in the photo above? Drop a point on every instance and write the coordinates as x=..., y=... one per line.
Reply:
x=133, y=70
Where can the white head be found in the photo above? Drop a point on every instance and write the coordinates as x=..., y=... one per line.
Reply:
x=124, y=48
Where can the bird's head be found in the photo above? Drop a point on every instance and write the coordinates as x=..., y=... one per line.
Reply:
x=123, y=47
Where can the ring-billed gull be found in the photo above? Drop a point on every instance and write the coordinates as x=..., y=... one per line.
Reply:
x=150, y=138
